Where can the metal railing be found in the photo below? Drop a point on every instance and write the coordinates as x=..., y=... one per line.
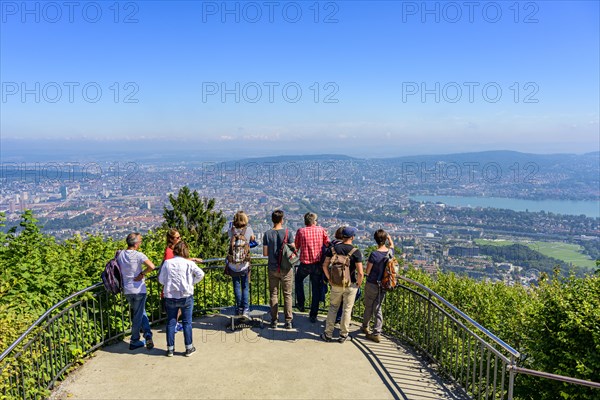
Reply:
x=464, y=351
x=92, y=318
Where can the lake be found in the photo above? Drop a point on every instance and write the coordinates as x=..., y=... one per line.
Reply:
x=569, y=207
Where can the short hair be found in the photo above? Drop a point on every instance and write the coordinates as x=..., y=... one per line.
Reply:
x=172, y=236
x=277, y=216
x=240, y=219
x=380, y=237
x=181, y=249
x=338, y=234
x=310, y=218
x=133, y=239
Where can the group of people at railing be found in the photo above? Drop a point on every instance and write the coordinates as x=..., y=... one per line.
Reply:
x=316, y=252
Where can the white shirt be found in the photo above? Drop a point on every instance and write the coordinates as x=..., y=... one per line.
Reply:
x=179, y=275
x=131, y=263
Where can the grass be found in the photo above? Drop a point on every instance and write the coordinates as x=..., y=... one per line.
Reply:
x=567, y=252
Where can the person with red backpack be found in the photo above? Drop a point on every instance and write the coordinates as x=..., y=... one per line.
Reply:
x=374, y=294
x=279, y=273
x=238, y=261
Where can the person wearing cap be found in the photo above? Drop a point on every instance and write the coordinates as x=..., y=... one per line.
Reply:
x=348, y=294
x=309, y=242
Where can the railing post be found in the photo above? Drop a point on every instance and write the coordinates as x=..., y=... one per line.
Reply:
x=511, y=377
x=428, y=339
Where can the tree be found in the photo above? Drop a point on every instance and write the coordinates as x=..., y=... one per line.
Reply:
x=197, y=222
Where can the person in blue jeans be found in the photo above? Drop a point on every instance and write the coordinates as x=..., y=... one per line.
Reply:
x=134, y=268
x=178, y=275
x=238, y=262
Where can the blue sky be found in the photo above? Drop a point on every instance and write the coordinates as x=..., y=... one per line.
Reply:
x=361, y=67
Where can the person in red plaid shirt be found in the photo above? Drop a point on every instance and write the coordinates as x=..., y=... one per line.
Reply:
x=309, y=242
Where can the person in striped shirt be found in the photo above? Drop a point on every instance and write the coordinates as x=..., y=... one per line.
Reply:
x=309, y=242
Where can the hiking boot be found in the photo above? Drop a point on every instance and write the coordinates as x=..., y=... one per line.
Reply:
x=136, y=345
x=365, y=330
x=342, y=339
x=189, y=352
x=325, y=337
x=373, y=337
x=170, y=352
x=288, y=325
x=149, y=344
x=273, y=324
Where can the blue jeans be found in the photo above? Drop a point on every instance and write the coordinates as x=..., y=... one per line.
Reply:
x=139, y=319
x=241, y=285
x=186, y=305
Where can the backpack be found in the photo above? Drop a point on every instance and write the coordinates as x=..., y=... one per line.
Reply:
x=238, y=258
x=389, y=278
x=339, y=268
x=111, y=276
x=288, y=258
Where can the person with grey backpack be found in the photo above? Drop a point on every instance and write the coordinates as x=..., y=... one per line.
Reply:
x=278, y=246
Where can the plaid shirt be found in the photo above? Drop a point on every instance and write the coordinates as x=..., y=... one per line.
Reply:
x=309, y=241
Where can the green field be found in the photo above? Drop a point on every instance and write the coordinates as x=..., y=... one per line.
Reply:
x=570, y=253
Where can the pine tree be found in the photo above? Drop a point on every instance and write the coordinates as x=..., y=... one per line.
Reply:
x=197, y=222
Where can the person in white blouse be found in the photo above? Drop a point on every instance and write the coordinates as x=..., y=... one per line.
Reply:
x=179, y=275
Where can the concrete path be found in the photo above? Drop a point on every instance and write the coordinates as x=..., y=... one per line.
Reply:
x=256, y=364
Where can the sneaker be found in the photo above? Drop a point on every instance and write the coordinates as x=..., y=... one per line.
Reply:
x=336, y=325
x=342, y=339
x=149, y=344
x=178, y=327
x=136, y=345
x=325, y=337
x=246, y=316
x=170, y=353
x=273, y=324
x=288, y=325
x=373, y=337
x=189, y=352
x=365, y=330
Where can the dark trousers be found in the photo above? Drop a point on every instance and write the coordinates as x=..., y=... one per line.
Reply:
x=316, y=281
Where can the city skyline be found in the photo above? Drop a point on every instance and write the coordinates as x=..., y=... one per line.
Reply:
x=384, y=78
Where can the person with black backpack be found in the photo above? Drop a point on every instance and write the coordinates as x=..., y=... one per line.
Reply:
x=374, y=294
x=280, y=269
x=344, y=271
x=238, y=262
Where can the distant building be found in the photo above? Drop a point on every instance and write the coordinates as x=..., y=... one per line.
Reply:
x=64, y=192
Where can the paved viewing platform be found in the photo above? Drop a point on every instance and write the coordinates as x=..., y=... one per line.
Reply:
x=256, y=363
